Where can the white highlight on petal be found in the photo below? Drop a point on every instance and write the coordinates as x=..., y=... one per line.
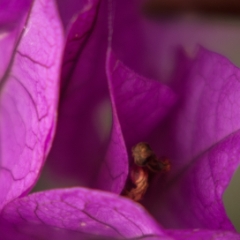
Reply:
x=82, y=224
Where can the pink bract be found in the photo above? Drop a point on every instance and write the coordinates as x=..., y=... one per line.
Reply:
x=70, y=87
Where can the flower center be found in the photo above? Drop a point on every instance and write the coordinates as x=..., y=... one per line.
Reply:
x=146, y=164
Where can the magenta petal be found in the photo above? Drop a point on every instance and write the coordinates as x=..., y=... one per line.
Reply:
x=80, y=143
x=76, y=214
x=12, y=12
x=202, y=234
x=70, y=9
x=29, y=94
x=78, y=34
x=132, y=42
x=129, y=42
x=13, y=15
x=201, y=188
x=203, y=146
x=139, y=104
x=114, y=170
x=208, y=110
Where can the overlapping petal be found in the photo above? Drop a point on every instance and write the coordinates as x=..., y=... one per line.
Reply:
x=139, y=104
x=202, y=140
x=200, y=134
x=13, y=15
x=77, y=214
x=88, y=214
x=29, y=95
x=135, y=43
x=85, y=93
x=209, y=105
x=199, y=234
x=84, y=99
x=198, y=81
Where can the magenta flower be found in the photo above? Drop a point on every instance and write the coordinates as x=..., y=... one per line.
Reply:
x=193, y=121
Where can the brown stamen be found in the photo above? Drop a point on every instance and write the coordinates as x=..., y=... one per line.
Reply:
x=139, y=177
x=145, y=162
x=142, y=153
